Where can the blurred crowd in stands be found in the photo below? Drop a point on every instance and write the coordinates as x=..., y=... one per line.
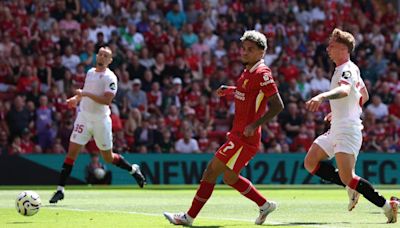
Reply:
x=171, y=56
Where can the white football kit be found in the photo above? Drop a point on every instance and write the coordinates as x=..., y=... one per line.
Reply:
x=93, y=118
x=345, y=132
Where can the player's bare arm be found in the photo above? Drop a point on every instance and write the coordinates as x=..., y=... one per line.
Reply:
x=224, y=90
x=365, y=95
x=336, y=93
x=275, y=105
x=105, y=99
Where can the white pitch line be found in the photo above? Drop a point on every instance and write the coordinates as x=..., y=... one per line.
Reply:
x=160, y=215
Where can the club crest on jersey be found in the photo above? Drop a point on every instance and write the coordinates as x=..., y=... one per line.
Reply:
x=346, y=74
x=267, y=80
x=245, y=83
x=112, y=86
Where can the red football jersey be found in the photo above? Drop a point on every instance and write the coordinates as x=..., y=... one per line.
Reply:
x=253, y=89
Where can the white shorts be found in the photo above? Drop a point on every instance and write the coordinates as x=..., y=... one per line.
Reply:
x=86, y=127
x=332, y=143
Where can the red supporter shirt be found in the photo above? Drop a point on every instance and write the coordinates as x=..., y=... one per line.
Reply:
x=253, y=88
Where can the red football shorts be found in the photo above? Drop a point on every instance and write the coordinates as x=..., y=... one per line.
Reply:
x=236, y=154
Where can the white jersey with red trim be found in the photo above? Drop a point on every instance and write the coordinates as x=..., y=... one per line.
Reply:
x=346, y=111
x=98, y=83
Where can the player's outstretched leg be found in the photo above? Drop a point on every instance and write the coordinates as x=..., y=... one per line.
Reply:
x=314, y=164
x=203, y=193
x=65, y=172
x=345, y=164
x=73, y=152
x=134, y=169
x=246, y=188
x=390, y=207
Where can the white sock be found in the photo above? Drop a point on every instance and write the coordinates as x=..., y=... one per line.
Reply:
x=264, y=206
x=60, y=188
x=188, y=217
x=386, y=207
x=134, y=168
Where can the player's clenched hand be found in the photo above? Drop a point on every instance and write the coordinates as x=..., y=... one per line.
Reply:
x=314, y=103
x=225, y=90
x=328, y=117
x=72, y=102
x=78, y=92
x=249, y=130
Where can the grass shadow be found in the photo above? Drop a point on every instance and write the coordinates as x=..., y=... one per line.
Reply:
x=205, y=226
x=303, y=224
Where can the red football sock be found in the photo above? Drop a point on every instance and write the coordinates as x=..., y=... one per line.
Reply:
x=354, y=182
x=202, y=195
x=245, y=188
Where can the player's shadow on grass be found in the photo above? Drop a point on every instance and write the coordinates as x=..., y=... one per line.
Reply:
x=205, y=226
x=17, y=223
x=54, y=205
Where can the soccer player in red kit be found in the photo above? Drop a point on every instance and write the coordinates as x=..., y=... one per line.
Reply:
x=253, y=90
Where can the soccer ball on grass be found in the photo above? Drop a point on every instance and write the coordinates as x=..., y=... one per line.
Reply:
x=28, y=203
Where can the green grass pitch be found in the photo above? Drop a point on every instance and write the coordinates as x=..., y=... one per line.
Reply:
x=109, y=206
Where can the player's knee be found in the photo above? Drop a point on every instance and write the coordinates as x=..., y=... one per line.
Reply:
x=229, y=179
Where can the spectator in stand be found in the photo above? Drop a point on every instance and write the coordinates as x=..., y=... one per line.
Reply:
x=69, y=60
x=394, y=108
x=88, y=57
x=154, y=98
x=176, y=17
x=69, y=23
x=320, y=83
x=3, y=143
x=18, y=118
x=58, y=73
x=44, y=124
x=291, y=120
x=132, y=39
x=165, y=144
x=28, y=81
x=45, y=22
x=44, y=74
x=379, y=109
x=136, y=97
x=90, y=6
x=96, y=172
x=144, y=137
x=187, y=144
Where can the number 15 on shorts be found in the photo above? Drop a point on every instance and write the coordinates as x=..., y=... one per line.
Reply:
x=79, y=128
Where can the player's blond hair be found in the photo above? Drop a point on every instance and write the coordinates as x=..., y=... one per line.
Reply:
x=345, y=38
x=256, y=37
x=106, y=48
